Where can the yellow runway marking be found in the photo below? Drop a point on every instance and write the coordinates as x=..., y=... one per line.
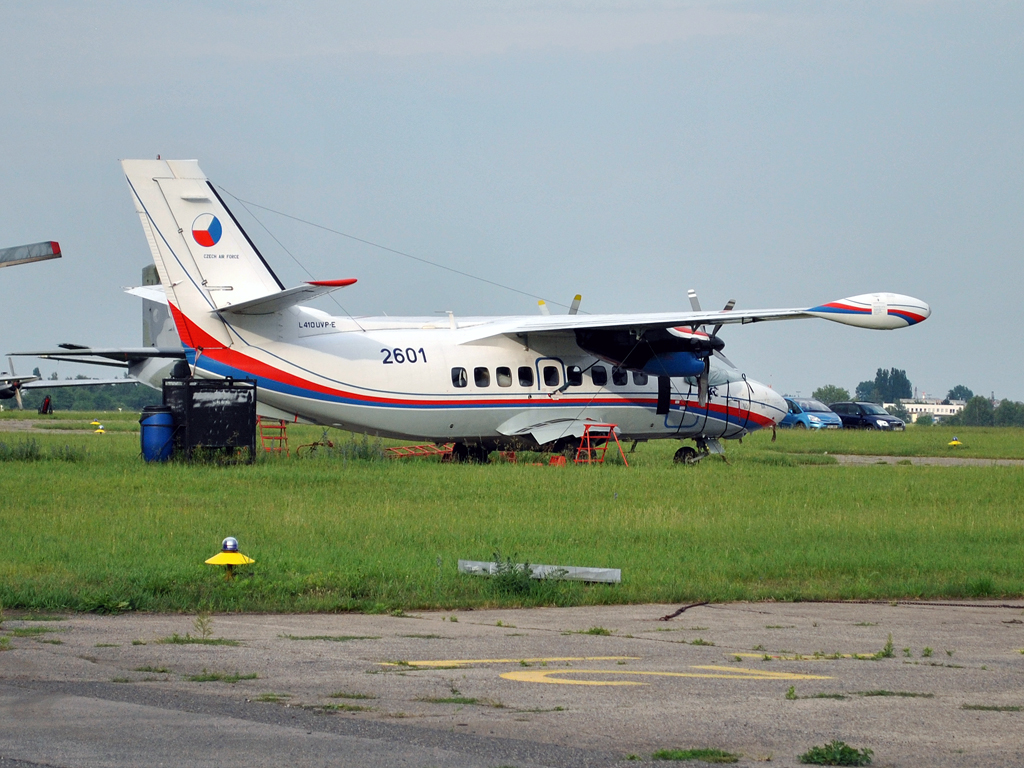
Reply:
x=548, y=659
x=728, y=673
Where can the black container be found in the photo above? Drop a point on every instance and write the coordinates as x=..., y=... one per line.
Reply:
x=217, y=416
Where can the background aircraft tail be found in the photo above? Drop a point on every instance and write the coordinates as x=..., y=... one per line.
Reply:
x=204, y=259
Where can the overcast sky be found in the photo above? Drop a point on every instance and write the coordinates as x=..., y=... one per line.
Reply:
x=780, y=153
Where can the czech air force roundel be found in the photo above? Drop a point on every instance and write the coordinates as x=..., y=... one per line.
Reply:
x=206, y=230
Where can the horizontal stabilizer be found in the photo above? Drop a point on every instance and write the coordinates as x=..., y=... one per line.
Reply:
x=23, y=254
x=150, y=293
x=275, y=302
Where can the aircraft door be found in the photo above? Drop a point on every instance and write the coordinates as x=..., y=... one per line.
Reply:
x=680, y=417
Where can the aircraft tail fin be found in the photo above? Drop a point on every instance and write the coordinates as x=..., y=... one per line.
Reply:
x=204, y=259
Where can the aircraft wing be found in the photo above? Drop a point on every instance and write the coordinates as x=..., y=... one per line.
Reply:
x=50, y=383
x=5, y=379
x=115, y=356
x=880, y=311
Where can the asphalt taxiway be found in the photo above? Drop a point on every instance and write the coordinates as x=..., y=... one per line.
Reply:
x=590, y=686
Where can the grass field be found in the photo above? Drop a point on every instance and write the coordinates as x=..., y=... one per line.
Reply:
x=96, y=529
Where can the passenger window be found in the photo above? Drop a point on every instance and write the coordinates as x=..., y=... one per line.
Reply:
x=459, y=377
x=574, y=376
x=525, y=376
x=550, y=376
x=619, y=377
x=639, y=378
x=599, y=374
x=503, y=376
x=482, y=377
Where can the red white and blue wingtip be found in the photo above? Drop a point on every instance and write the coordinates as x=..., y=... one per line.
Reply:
x=881, y=311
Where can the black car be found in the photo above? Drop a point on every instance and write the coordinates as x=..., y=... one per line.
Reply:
x=866, y=416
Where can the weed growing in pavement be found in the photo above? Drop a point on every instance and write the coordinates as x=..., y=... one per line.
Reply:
x=704, y=755
x=222, y=677
x=701, y=641
x=330, y=638
x=887, y=651
x=349, y=695
x=903, y=694
x=927, y=652
x=791, y=693
x=272, y=698
x=203, y=625
x=987, y=708
x=596, y=631
x=836, y=753
x=187, y=639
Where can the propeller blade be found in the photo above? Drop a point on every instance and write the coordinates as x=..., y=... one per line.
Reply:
x=725, y=359
x=694, y=303
x=702, y=384
x=575, y=307
x=17, y=397
x=543, y=307
x=729, y=305
x=10, y=362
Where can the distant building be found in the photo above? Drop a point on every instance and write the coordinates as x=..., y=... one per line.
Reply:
x=938, y=408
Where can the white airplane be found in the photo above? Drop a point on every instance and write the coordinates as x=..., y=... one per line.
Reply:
x=528, y=382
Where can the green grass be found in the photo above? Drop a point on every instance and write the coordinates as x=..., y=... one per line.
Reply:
x=704, y=755
x=110, y=533
x=836, y=753
x=451, y=700
x=187, y=639
x=221, y=677
x=991, y=708
x=331, y=638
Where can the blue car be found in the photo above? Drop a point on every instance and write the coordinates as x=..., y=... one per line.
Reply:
x=806, y=413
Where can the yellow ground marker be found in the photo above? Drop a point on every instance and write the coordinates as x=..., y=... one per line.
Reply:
x=467, y=662
x=727, y=673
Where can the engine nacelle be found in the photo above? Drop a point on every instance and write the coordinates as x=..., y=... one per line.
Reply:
x=881, y=311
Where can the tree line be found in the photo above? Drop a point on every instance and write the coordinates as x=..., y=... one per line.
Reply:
x=889, y=386
x=130, y=396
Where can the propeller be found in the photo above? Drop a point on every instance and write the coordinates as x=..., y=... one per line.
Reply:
x=702, y=380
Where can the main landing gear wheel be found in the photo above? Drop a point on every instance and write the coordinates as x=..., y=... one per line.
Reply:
x=685, y=455
x=475, y=454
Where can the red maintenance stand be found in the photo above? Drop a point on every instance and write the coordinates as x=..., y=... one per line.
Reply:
x=594, y=444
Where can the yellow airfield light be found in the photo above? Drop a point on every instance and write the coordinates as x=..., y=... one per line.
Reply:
x=954, y=443
x=229, y=557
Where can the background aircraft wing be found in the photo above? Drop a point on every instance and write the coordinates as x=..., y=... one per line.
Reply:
x=50, y=383
x=118, y=357
x=23, y=254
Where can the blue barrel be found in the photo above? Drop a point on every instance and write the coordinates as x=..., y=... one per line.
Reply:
x=157, y=433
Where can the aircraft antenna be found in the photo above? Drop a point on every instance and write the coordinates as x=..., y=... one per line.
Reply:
x=386, y=248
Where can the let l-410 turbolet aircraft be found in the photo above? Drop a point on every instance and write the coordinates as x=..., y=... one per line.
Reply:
x=478, y=382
